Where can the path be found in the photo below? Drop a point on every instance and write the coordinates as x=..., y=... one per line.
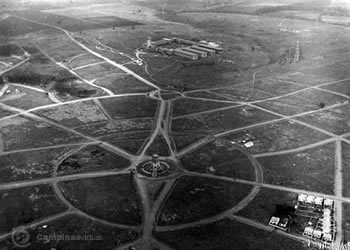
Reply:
x=164, y=118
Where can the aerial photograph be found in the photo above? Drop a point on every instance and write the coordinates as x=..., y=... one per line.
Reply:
x=175, y=124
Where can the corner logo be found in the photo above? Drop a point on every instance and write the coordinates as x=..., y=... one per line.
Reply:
x=20, y=237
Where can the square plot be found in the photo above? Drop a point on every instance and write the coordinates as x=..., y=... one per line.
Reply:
x=336, y=120
x=308, y=100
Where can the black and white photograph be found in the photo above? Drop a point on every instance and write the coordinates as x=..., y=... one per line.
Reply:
x=175, y=124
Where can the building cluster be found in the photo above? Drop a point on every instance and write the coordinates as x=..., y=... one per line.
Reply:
x=318, y=214
x=321, y=226
x=189, y=50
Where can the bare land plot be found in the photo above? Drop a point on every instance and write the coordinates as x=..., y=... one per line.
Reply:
x=132, y=142
x=25, y=205
x=83, y=59
x=122, y=83
x=311, y=170
x=30, y=165
x=243, y=93
x=229, y=235
x=159, y=146
x=73, y=115
x=206, y=95
x=218, y=121
x=185, y=106
x=111, y=198
x=183, y=140
x=4, y=113
x=25, y=98
x=277, y=136
x=96, y=71
x=90, y=159
x=342, y=87
x=127, y=107
x=93, y=235
x=307, y=78
x=21, y=133
x=13, y=26
x=307, y=100
x=336, y=120
x=195, y=198
x=262, y=207
x=225, y=159
x=117, y=126
x=346, y=169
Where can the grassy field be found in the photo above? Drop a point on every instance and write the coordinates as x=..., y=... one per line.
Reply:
x=25, y=205
x=346, y=172
x=127, y=107
x=307, y=100
x=99, y=196
x=277, y=136
x=25, y=98
x=132, y=141
x=91, y=159
x=159, y=146
x=94, y=235
x=311, y=169
x=185, y=106
x=21, y=133
x=262, y=207
x=122, y=83
x=226, y=160
x=195, y=198
x=335, y=120
x=73, y=115
x=30, y=165
x=118, y=126
x=223, y=120
x=227, y=234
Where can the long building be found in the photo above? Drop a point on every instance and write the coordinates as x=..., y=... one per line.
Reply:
x=199, y=52
x=186, y=54
x=209, y=51
x=218, y=49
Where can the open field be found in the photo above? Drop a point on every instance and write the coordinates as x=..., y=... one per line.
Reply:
x=19, y=133
x=218, y=121
x=25, y=205
x=227, y=161
x=24, y=98
x=336, y=120
x=185, y=106
x=30, y=165
x=159, y=146
x=197, y=198
x=346, y=171
x=130, y=107
x=93, y=235
x=263, y=205
x=117, y=126
x=74, y=115
x=227, y=234
x=311, y=170
x=122, y=83
x=131, y=141
x=277, y=136
x=99, y=196
x=302, y=102
x=238, y=133
x=90, y=159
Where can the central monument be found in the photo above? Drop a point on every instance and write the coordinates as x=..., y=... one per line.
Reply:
x=155, y=167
